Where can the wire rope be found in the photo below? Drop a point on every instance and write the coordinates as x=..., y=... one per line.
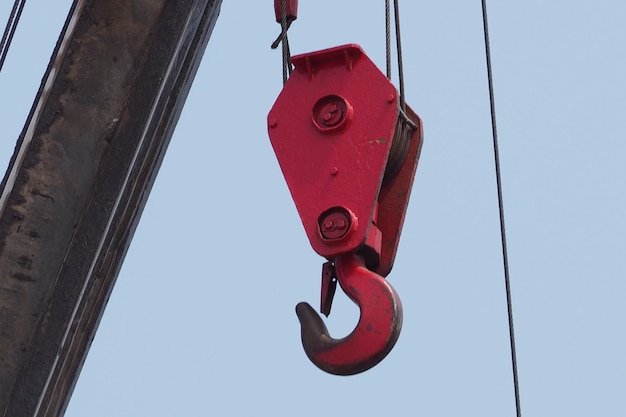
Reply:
x=285, y=23
x=9, y=30
x=285, y=42
x=388, y=37
x=405, y=126
x=396, y=13
x=505, y=257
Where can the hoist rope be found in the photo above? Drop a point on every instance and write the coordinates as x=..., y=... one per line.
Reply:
x=285, y=42
x=9, y=30
x=282, y=39
x=396, y=15
x=505, y=258
x=405, y=126
x=388, y=37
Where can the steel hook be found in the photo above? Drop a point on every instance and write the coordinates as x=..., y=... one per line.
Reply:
x=376, y=332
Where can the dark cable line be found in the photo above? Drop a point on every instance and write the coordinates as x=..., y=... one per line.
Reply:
x=285, y=22
x=505, y=258
x=388, y=37
x=396, y=12
x=9, y=30
x=285, y=42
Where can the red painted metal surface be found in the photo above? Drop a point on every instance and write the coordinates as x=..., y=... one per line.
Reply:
x=349, y=156
x=334, y=161
x=393, y=199
x=291, y=7
x=375, y=334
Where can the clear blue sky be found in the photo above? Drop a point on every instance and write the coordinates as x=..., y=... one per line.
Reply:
x=202, y=322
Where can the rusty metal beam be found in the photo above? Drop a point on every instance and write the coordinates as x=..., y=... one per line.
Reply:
x=79, y=179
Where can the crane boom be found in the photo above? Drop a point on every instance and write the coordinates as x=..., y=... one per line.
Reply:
x=79, y=179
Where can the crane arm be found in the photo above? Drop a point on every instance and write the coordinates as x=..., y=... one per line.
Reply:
x=79, y=179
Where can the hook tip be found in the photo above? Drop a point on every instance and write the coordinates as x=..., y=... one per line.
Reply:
x=312, y=327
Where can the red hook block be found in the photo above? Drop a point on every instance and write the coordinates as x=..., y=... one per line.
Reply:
x=332, y=129
x=349, y=154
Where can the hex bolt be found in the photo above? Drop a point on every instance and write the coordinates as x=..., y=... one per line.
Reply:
x=330, y=112
x=331, y=115
x=334, y=224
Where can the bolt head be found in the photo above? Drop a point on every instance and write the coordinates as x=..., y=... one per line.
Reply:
x=335, y=224
x=331, y=112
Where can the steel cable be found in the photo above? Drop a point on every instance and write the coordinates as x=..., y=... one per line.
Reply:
x=405, y=126
x=505, y=258
x=388, y=37
x=285, y=22
x=9, y=30
x=285, y=42
x=396, y=12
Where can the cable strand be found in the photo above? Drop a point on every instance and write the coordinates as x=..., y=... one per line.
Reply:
x=396, y=12
x=9, y=24
x=505, y=258
x=285, y=42
x=388, y=37
x=9, y=30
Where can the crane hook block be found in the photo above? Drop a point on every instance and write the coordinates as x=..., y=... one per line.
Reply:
x=348, y=152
